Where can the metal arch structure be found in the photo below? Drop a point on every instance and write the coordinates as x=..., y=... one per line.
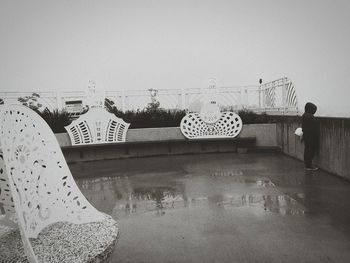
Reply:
x=279, y=95
x=36, y=180
x=97, y=126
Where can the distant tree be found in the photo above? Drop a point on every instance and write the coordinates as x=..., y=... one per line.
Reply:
x=31, y=101
x=154, y=104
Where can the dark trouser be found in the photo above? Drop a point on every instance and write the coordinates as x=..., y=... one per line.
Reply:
x=309, y=151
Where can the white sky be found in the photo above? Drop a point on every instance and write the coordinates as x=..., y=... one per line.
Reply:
x=60, y=45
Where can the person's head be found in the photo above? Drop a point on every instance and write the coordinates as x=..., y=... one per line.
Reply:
x=310, y=108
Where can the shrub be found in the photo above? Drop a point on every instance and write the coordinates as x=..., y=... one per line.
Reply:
x=249, y=117
x=151, y=118
x=56, y=119
x=147, y=118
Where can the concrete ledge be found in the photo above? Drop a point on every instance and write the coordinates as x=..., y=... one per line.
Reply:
x=169, y=141
x=155, y=148
x=265, y=135
x=154, y=134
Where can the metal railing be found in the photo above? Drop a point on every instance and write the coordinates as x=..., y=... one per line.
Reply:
x=277, y=96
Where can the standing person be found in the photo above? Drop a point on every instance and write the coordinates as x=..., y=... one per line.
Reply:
x=311, y=135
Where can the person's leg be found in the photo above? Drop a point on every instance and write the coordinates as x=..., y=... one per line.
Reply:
x=313, y=149
x=308, y=154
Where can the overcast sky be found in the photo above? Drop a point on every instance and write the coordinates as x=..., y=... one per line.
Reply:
x=60, y=45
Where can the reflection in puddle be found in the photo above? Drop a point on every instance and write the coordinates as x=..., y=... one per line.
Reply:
x=145, y=199
x=281, y=204
x=227, y=173
x=238, y=176
x=128, y=196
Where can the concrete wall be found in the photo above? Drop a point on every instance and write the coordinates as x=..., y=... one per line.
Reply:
x=165, y=141
x=265, y=135
x=333, y=155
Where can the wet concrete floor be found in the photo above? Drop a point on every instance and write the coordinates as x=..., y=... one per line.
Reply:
x=220, y=208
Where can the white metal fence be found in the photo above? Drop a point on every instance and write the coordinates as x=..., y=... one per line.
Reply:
x=278, y=95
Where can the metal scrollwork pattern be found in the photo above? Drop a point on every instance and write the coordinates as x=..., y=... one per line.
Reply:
x=7, y=206
x=228, y=125
x=42, y=187
x=97, y=126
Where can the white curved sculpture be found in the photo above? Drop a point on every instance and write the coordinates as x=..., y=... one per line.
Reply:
x=211, y=123
x=97, y=126
x=35, y=180
x=6, y=201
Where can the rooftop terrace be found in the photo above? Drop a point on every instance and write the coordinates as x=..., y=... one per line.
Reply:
x=220, y=208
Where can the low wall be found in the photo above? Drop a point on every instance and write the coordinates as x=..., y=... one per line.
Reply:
x=265, y=135
x=165, y=141
x=333, y=155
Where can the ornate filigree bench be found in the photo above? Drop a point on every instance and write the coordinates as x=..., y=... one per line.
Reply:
x=210, y=123
x=56, y=223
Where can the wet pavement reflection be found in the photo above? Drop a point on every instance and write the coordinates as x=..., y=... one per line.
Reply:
x=220, y=208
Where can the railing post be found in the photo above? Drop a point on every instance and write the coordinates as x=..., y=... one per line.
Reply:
x=241, y=97
x=183, y=99
x=126, y=103
x=58, y=100
x=246, y=97
x=123, y=100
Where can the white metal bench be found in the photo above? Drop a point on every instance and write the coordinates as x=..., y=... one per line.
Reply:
x=38, y=193
x=210, y=123
x=97, y=126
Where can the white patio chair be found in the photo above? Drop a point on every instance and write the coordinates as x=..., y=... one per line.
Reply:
x=55, y=221
x=97, y=126
x=211, y=123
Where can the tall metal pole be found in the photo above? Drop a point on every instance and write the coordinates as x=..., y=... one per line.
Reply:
x=260, y=82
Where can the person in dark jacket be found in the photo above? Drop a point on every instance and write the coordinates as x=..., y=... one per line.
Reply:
x=311, y=135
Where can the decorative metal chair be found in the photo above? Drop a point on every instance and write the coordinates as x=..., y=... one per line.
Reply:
x=97, y=126
x=211, y=123
x=56, y=222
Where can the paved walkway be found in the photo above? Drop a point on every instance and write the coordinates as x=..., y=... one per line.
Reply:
x=221, y=208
